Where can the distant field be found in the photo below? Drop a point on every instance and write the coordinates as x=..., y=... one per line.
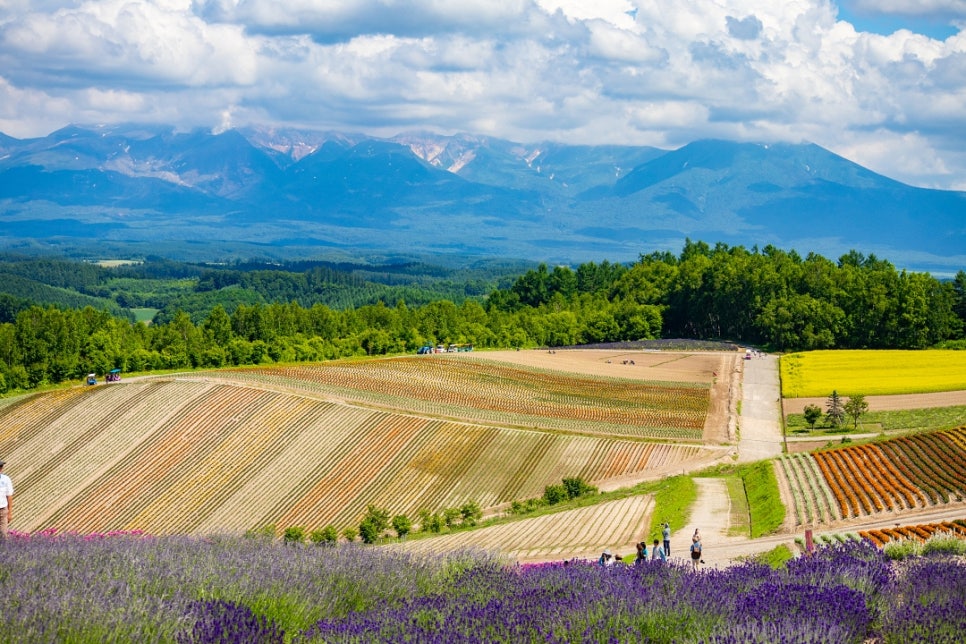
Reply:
x=818, y=373
x=314, y=445
x=484, y=390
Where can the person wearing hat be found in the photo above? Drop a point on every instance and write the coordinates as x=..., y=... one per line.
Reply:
x=6, y=502
x=606, y=558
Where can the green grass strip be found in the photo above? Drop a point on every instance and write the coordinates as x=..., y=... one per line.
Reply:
x=673, y=499
x=764, y=499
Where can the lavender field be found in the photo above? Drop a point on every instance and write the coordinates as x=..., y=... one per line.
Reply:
x=131, y=588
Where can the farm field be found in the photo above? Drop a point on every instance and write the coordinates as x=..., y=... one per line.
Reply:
x=872, y=373
x=909, y=473
x=661, y=396
x=562, y=535
x=241, y=449
x=229, y=452
x=919, y=532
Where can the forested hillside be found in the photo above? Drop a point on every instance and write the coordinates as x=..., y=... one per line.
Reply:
x=251, y=314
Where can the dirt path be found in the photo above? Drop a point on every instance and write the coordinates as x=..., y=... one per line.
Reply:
x=711, y=514
x=759, y=424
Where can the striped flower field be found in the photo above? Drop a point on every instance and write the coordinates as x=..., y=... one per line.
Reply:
x=480, y=390
x=202, y=455
x=905, y=473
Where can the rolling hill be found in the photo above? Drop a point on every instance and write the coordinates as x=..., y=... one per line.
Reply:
x=230, y=451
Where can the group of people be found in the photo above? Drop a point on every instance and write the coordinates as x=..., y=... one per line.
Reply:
x=660, y=551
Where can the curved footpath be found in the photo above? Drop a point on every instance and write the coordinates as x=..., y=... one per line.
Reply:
x=760, y=437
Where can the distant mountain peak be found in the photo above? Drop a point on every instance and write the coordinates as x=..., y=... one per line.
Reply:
x=271, y=189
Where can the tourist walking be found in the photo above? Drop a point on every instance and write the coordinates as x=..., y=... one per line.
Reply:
x=696, y=551
x=657, y=552
x=666, y=533
x=6, y=502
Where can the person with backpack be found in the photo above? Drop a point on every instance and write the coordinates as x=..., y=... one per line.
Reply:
x=696, y=551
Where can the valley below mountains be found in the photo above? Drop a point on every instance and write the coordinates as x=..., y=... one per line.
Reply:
x=132, y=190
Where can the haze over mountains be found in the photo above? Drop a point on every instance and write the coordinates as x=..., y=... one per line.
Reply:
x=282, y=193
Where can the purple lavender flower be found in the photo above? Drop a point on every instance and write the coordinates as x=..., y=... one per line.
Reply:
x=224, y=622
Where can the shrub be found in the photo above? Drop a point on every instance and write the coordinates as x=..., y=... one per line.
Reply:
x=402, y=525
x=378, y=516
x=945, y=543
x=350, y=534
x=554, y=494
x=577, y=487
x=327, y=535
x=369, y=531
x=294, y=535
x=266, y=532
x=902, y=549
x=471, y=513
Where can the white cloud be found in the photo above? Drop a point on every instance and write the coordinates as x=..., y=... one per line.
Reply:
x=610, y=71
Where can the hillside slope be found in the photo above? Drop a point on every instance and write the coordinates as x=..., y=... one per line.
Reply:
x=198, y=455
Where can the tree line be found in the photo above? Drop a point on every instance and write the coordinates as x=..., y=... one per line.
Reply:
x=769, y=298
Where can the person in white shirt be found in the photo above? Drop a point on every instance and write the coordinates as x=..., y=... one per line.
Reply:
x=6, y=502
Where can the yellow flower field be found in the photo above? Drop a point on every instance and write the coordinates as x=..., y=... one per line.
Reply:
x=872, y=373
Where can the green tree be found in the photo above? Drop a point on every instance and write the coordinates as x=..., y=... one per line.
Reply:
x=834, y=410
x=402, y=525
x=327, y=535
x=812, y=413
x=855, y=407
x=554, y=494
x=470, y=513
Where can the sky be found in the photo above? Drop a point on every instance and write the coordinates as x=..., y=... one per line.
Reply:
x=880, y=82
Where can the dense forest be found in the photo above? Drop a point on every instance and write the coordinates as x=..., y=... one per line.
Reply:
x=60, y=320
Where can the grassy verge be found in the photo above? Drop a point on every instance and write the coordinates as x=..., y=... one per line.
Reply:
x=739, y=524
x=875, y=421
x=764, y=499
x=673, y=498
x=756, y=502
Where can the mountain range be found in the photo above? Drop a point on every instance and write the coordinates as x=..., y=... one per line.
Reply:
x=284, y=193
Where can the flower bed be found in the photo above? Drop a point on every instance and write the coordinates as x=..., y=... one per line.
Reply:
x=129, y=588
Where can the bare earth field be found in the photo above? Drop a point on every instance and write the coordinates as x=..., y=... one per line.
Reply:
x=647, y=365
x=719, y=369
x=886, y=403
